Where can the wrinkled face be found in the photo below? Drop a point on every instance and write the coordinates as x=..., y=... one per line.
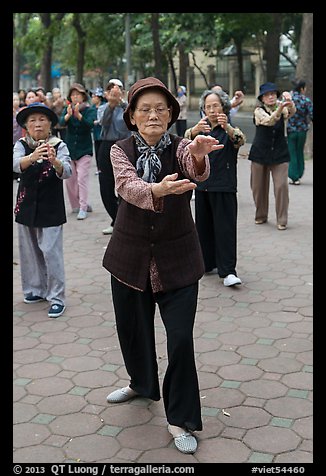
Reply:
x=38, y=126
x=151, y=115
x=213, y=107
x=269, y=98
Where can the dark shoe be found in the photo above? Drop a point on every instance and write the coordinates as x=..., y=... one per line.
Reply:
x=56, y=310
x=211, y=271
x=89, y=208
x=30, y=299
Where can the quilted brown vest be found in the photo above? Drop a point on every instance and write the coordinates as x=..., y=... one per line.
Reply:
x=170, y=237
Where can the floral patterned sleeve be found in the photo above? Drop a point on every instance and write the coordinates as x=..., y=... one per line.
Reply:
x=129, y=186
x=262, y=118
x=187, y=164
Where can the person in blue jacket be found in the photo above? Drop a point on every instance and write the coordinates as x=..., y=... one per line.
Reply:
x=297, y=128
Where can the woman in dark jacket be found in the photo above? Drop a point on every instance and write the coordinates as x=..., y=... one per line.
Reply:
x=79, y=118
x=269, y=154
x=154, y=254
x=216, y=204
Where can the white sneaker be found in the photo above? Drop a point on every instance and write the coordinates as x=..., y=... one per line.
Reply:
x=231, y=280
x=108, y=230
x=82, y=215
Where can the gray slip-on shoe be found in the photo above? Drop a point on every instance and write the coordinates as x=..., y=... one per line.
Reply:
x=185, y=442
x=121, y=395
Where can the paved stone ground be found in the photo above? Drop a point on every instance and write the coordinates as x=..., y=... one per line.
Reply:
x=253, y=346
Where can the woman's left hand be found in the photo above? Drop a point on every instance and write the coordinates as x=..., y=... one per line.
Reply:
x=203, y=145
x=51, y=154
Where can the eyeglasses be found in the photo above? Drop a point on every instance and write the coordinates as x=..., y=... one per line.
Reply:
x=213, y=107
x=159, y=111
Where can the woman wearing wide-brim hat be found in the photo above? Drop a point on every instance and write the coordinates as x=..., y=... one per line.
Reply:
x=43, y=162
x=154, y=254
x=79, y=118
x=269, y=153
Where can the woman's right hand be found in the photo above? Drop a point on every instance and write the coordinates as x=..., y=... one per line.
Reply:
x=201, y=127
x=171, y=186
x=40, y=153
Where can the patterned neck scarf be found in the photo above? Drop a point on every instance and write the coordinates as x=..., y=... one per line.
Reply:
x=148, y=164
x=32, y=143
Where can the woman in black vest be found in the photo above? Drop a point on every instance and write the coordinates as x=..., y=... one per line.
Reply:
x=43, y=161
x=269, y=154
x=154, y=254
x=216, y=205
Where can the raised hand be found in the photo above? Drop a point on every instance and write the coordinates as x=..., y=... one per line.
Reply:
x=201, y=127
x=203, y=145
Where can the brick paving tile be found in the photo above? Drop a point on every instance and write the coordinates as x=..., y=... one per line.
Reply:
x=253, y=349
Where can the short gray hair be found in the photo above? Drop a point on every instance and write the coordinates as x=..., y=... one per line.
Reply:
x=225, y=101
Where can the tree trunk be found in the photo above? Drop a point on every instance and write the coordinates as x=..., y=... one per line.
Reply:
x=47, y=52
x=238, y=44
x=47, y=22
x=183, y=64
x=272, y=47
x=16, y=69
x=46, y=78
x=174, y=76
x=81, y=35
x=157, y=47
x=304, y=70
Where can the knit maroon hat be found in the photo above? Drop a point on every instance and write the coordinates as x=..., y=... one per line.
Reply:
x=143, y=85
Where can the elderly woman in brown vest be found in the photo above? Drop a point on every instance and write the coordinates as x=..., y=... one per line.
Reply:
x=154, y=254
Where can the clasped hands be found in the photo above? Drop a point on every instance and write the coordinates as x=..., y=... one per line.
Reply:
x=46, y=152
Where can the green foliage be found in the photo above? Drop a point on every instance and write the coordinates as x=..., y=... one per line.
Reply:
x=105, y=37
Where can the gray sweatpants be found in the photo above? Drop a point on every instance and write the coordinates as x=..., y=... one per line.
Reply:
x=41, y=262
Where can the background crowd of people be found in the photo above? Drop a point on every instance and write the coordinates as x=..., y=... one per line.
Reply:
x=147, y=175
x=90, y=122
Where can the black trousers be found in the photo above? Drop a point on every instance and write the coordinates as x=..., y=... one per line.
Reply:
x=97, y=144
x=106, y=179
x=181, y=127
x=216, y=222
x=134, y=311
